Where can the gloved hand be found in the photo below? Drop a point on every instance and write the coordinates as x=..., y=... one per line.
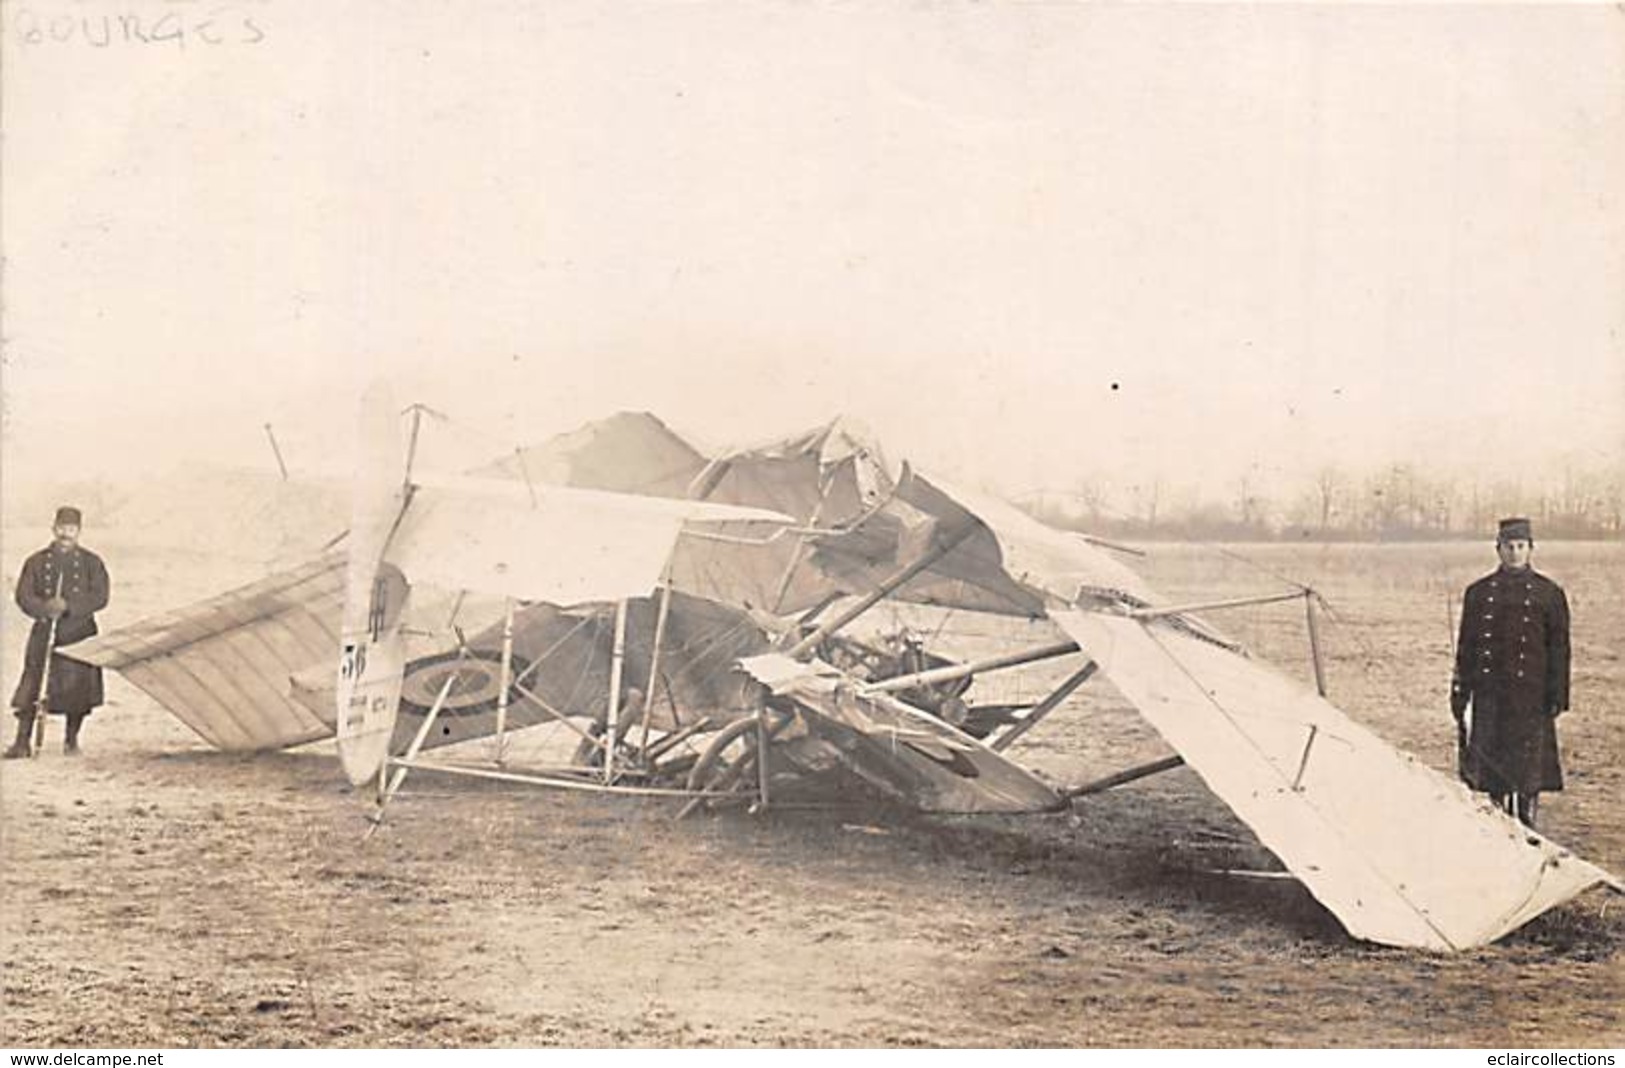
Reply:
x=56, y=608
x=1458, y=701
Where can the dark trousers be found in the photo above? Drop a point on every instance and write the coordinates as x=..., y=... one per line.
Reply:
x=25, y=728
x=1523, y=807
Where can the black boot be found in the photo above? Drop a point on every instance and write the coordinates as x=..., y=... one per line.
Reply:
x=25, y=727
x=70, y=745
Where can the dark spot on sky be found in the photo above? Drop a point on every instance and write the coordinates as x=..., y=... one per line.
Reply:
x=1114, y=387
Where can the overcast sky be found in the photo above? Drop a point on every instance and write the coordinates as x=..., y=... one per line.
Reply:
x=1022, y=241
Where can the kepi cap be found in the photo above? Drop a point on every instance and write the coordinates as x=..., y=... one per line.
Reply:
x=68, y=516
x=1516, y=527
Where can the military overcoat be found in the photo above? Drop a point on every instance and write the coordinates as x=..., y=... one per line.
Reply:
x=1512, y=669
x=74, y=687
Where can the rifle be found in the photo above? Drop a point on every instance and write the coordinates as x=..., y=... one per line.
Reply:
x=43, y=699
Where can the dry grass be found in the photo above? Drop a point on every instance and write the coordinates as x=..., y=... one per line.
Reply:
x=158, y=893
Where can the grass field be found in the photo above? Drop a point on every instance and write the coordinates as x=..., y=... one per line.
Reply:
x=161, y=893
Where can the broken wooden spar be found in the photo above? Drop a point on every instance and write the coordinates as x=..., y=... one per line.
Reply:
x=905, y=753
x=954, y=672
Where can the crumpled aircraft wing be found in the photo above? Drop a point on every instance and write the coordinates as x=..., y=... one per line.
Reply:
x=223, y=666
x=563, y=661
x=1401, y=854
x=876, y=518
x=901, y=751
x=628, y=452
x=236, y=668
x=1021, y=551
x=555, y=544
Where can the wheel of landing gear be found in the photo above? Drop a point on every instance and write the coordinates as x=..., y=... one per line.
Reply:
x=726, y=759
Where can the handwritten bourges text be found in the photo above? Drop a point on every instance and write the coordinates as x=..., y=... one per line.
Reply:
x=219, y=27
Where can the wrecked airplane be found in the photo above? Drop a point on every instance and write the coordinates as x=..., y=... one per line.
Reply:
x=690, y=623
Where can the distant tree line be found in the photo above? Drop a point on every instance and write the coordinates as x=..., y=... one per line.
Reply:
x=1395, y=502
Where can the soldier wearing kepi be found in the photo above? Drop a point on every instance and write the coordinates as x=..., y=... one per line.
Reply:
x=61, y=587
x=1512, y=667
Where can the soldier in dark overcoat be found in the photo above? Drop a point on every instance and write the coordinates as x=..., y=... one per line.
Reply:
x=1512, y=670
x=63, y=584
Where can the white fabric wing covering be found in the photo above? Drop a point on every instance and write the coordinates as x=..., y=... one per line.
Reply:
x=1401, y=854
x=545, y=543
x=223, y=665
x=1055, y=562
